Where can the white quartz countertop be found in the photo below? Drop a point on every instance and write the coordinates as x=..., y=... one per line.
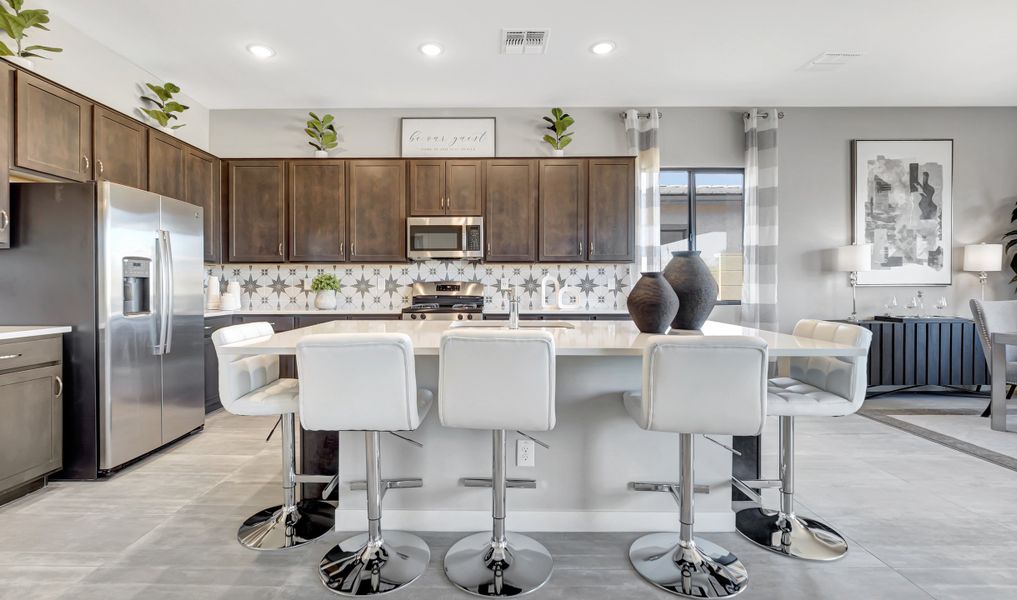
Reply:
x=576, y=338
x=354, y=312
x=14, y=332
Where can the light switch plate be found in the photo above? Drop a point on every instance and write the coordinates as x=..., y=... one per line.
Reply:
x=307, y=284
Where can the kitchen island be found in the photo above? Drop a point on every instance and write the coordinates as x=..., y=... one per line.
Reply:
x=596, y=448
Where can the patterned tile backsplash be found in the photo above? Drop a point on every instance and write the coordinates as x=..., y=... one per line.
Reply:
x=379, y=287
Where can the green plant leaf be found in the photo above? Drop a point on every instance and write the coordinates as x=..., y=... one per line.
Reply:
x=331, y=127
x=12, y=26
x=179, y=126
x=313, y=134
x=46, y=48
x=568, y=121
x=551, y=140
x=5, y=51
x=159, y=91
x=331, y=145
x=557, y=112
x=566, y=135
x=565, y=142
x=16, y=4
x=327, y=119
x=159, y=116
x=172, y=88
x=34, y=18
x=316, y=146
x=559, y=128
x=152, y=100
x=174, y=106
x=314, y=116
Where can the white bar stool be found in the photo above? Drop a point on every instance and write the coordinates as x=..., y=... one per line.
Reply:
x=819, y=386
x=366, y=382
x=497, y=380
x=250, y=386
x=705, y=385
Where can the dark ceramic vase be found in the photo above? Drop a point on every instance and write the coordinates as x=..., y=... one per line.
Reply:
x=652, y=303
x=695, y=287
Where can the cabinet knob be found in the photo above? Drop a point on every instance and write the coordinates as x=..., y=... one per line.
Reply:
x=280, y=249
x=580, y=248
x=98, y=165
x=5, y=219
x=342, y=248
x=60, y=386
x=86, y=162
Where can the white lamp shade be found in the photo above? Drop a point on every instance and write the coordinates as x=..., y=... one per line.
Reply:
x=856, y=257
x=983, y=257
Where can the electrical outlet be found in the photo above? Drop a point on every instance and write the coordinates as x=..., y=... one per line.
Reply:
x=505, y=284
x=526, y=453
x=610, y=284
x=307, y=284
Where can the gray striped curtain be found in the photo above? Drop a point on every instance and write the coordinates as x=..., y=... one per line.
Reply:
x=759, y=289
x=643, y=137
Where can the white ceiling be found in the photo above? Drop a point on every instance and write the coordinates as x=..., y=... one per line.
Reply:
x=346, y=54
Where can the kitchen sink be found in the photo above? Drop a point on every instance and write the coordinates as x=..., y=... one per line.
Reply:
x=522, y=324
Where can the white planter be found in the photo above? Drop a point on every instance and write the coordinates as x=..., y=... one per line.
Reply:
x=22, y=62
x=325, y=300
x=557, y=153
x=321, y=154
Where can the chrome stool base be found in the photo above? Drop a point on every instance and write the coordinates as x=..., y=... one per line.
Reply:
x=701, y=570
x=790, y=535
x=477, y=565
x=360, y=567
x=276, y=529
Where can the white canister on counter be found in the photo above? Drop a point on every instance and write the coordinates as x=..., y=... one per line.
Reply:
x=213, y=300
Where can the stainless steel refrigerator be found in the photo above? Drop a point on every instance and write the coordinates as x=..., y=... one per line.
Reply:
x=124, y=267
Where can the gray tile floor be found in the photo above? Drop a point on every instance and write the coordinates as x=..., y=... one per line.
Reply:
x=924, y=521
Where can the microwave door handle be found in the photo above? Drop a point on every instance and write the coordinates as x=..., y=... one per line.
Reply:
x=170, y=293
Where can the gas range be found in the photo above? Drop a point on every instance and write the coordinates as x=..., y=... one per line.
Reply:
x=446, y=301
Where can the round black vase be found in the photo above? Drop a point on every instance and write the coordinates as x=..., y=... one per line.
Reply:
x=652, y=303
x=695, y=287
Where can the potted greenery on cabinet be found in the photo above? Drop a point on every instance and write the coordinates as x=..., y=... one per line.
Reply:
x=323, y=134
x=15, y=22
x=559, y=137
x=164, y=107
x=325, y=285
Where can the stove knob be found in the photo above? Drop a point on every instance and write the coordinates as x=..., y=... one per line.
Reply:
x=422, y=317
x=469, y=317
x=460, y=317
x=414, y=317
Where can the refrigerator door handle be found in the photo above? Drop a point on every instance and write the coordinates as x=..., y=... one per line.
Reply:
x=170, y=293
x=163, y=258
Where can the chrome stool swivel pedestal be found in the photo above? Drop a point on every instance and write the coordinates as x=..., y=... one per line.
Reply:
x=517, y=369
x=695, y=385
x=379, y=367
x=250, y=386
x=817, y=386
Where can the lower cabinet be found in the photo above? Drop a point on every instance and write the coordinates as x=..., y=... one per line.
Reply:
x=31, y=413
x=212, y=362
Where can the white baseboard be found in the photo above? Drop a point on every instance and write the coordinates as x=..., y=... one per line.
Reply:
x=578, y=521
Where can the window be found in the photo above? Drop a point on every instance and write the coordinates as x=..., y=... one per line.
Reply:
x=703, y=209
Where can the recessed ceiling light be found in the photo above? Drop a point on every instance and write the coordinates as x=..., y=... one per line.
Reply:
x=602, y=48
x=431, y=49
x=261, y=51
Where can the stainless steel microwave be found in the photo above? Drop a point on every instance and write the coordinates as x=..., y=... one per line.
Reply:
x=445, y=237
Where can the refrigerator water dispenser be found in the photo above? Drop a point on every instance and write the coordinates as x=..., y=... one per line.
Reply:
x=137, y=279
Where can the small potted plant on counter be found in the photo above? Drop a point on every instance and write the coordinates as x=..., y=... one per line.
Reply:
x=14, y=23
x=325, y=286
x=165, y=106
x=324, y=136
x=559, y=121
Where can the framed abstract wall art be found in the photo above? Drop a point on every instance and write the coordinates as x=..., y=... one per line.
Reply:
x=902, y=193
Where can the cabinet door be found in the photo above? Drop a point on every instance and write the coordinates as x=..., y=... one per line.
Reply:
x=201, y=187
x=6, y=104
x=562, y=210
x=377, y=210
x=511, y=210
x=612, y=210
x=464, y=187
x=165, y=165
x=31, y=425
x=211, y=377
x=120, y=142
x=427, y=188
x=257, y=211
x=317, y=206
x=52, y=129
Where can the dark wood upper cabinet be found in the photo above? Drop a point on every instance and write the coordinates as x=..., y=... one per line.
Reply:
x=52, y=129
x=562, y=230
x=510, y=211
x=464, y=187
x=165, y=165
x=202, y=178
x=612, y=210
x=120, y=149
x=446, y=187
x=427, y=188
x=377, y=213
x=6, y=106
x=317, y=209
x=257, y=211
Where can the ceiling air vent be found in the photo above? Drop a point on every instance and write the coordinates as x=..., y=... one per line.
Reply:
x=524, y=41
x=830, y=61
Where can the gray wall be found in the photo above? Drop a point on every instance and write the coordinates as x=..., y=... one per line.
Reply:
x=815, y=173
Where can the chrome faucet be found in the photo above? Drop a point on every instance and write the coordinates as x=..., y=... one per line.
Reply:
x=513, y=309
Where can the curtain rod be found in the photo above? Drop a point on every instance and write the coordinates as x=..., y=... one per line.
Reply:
x=644, y=115
x=780, y=115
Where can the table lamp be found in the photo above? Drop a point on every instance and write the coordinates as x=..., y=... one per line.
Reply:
x=982, y=258
x=852, y=259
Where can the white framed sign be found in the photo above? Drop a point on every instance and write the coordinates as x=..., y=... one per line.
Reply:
x=903, y=206
x=448, y=136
